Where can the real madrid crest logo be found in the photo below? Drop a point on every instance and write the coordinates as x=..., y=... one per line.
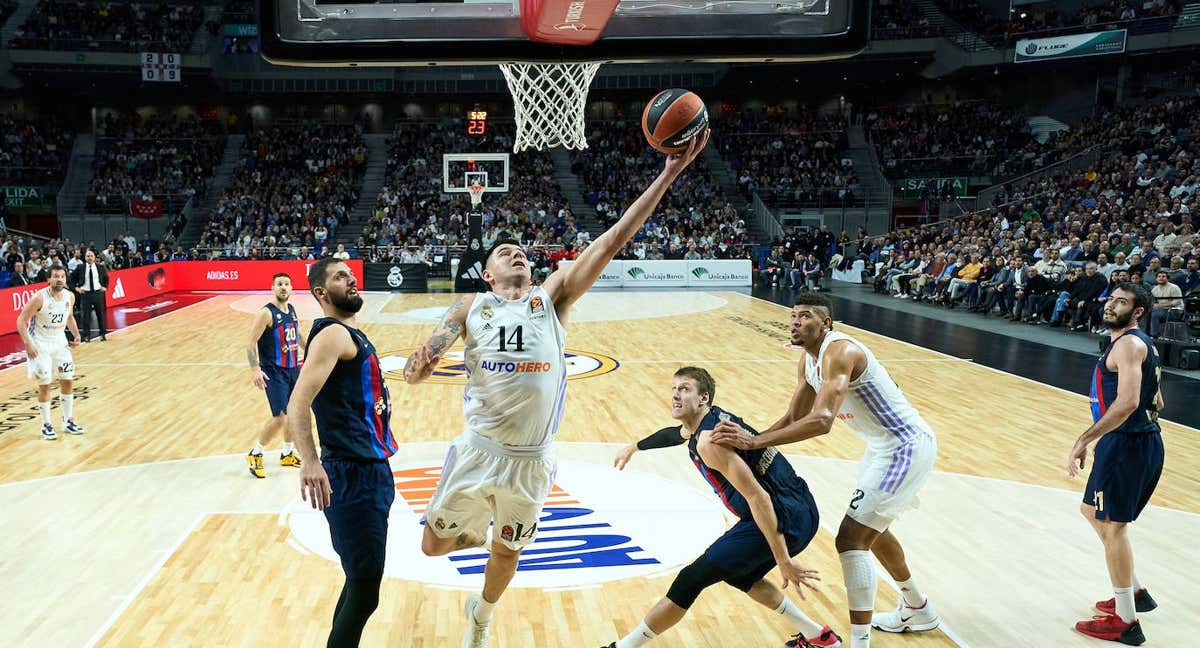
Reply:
x=486, y=312
x=474, y=244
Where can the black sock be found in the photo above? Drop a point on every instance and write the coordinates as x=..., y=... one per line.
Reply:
x=360, y=597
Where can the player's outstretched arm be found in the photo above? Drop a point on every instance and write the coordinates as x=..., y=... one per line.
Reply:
x=568, y=284
x=261, y=321
x=330, y=345
x=1128, y=354
x=729, y=464
x=664, y=438
x=837, y=367
x=424, y=360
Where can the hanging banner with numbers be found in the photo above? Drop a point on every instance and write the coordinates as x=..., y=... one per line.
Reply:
x=158, y=67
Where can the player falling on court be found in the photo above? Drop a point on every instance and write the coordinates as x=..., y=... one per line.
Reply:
x=273, y=349
x=1128, y=458
x=352, y=483
x=502, y=466
x=42, y=324
x=777, y=518
x=840, y=378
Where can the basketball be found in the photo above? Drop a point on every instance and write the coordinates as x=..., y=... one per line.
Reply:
x=672, y=118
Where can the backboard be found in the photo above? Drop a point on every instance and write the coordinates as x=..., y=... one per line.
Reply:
x=460, y=170
x=476, y=32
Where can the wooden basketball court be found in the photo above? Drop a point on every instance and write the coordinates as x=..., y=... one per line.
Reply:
x=149, y=530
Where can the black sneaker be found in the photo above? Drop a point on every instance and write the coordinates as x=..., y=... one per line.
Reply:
x=1142, y=602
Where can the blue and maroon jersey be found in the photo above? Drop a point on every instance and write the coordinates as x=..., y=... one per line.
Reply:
x=353, y=408
x=1144, y=419
x=789, y=493
x=279, y=344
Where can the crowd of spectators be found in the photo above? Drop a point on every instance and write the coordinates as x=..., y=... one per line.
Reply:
x=962, y=138
x=790, y=159
x=168, y=159
x=897, y=19
x=1093, y=15
x=27, y=260
x=109, y=26
x=1056, y=246
x=694, y=215
x=34, y=151
x=413, y=215
x=293, y=188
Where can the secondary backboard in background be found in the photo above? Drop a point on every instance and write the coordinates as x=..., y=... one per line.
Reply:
x=317, y=32
x=460, y=170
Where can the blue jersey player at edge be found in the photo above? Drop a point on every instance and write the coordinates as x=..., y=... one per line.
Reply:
x=777, y=518
x=342, y=383
x=1128, y=458
x=273, y=350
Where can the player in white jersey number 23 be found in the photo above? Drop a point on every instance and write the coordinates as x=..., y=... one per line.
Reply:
x=501, y=467
x=840, y=378
x=42, y=325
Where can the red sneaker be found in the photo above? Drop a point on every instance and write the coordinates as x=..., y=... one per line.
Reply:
x=827, y=639
x=1112, y=628
x=1142, y=602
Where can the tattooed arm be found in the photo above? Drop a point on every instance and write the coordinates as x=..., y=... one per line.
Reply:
x=424, y=360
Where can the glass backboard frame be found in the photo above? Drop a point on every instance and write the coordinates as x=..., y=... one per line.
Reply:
x=447, y=174
x=301, y=32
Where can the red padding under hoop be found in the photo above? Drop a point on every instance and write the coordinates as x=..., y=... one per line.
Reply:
x=566, y=22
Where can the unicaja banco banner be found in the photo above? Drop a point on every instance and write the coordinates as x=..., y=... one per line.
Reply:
x=1073, y=46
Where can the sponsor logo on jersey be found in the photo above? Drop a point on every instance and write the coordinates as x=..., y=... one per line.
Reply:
x=515, y=367
x=453, y=369
x=595, y=528
x=537, y=309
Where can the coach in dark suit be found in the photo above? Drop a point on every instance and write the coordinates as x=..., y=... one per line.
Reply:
x=90, y=282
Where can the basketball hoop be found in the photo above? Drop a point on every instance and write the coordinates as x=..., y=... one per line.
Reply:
x=476, y=192
x=549, y=101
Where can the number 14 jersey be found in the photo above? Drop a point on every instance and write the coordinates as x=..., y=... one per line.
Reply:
x=516, y=369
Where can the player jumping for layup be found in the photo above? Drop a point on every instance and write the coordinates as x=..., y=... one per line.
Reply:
x=502, y=467
x=273, y=350
x=777, y=518
x=51, y=311
x=840, y=378
x=1129, y=458
x=352, y=483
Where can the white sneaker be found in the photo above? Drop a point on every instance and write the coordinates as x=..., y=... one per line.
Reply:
x=477, y=633
x=907, y=618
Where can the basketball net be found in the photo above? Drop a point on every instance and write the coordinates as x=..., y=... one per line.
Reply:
x=549, y=101
x=476, y=192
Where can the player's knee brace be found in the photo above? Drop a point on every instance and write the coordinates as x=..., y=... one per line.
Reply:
x=692, y=580
x=858, y=570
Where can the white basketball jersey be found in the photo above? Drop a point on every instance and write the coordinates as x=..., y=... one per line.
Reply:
x=516, y=371
x=874, y=406
x=49, y=323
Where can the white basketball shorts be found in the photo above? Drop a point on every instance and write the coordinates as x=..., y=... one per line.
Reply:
x=888, y=484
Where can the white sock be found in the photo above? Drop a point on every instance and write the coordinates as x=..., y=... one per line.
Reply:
x=800, y=621
x=68, y=406
x=258, y=449
x=1125, y=608
x=483, y=610
x=639, y=637
x=860, y=636
x=1137, y=584
x=45, y=408
x=912, y=595
x=287, y=448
